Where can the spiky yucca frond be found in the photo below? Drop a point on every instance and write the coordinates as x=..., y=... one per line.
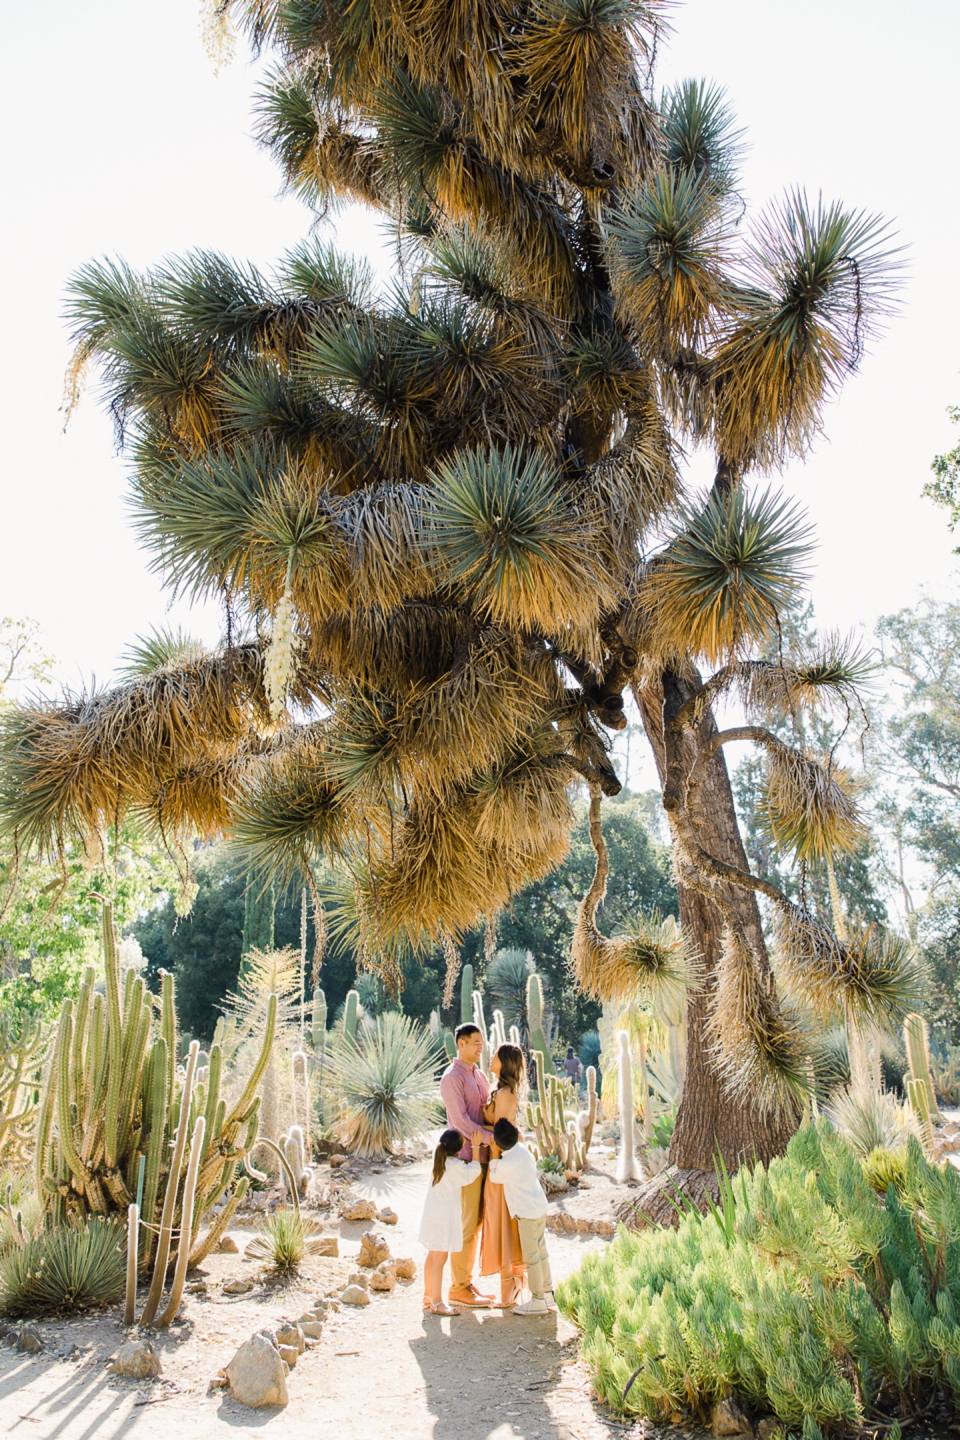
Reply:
x=385, y=1085
x=700, y=135
x=649, y=962
x=758, y=1046
x=819, y=279
x=504, y=533
x=831, y=675
x=872, y=976
x=810, y=810
x=732, y=567
x=870, y=1120
x=285, y=1239
x=64, y=1270
x=161, y=647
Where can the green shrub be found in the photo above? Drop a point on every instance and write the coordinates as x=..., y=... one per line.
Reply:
x=284, y=1239
x=66, y=1269
x=818, y=1301
x=884, y=1168
x=384, y=1087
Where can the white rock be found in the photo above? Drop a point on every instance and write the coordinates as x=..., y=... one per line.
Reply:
x=238, y=1287
x=388, y=1217
x=137, y=1359
x=326, y=1245
x=355, y=1295
x=288, y=1334
x=357, y=1210
x=406, y=1269
x=289, y=1354
x=384, y=1277
x=258, y=1374
x=373, y=1250
x=312, y=1329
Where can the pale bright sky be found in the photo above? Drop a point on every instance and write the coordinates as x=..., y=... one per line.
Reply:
x=122, y=141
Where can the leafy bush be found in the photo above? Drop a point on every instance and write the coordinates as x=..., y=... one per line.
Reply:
x=285, y=1239
x=384, y=1085
x=66, y=1269
x=808, y=1295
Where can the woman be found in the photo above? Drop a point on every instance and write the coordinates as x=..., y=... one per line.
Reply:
x=500, y=1252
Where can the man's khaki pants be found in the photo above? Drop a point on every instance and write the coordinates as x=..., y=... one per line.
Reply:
x=462, y=1263
x=533, y=1243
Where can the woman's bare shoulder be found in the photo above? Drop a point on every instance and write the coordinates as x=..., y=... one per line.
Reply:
x=507, y=1104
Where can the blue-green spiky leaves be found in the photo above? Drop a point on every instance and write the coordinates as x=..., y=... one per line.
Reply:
x=504, y=532
x=699, y=134
x=817, y=280
x=733, y=566
x=666, y=251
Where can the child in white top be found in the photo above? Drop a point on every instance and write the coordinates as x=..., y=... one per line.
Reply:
x=516, y=1171
x=441, y=1228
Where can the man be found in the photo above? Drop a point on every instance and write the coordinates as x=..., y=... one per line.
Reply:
x=465, y=1090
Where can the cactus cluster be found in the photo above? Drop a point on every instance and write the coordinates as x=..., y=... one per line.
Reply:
x=117, y=1113
x=21, y=1058
x=559, y=1127
x=919, y=1079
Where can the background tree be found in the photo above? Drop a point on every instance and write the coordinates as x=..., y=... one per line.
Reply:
x=456, y=510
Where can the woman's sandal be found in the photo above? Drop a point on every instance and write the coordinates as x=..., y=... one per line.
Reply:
x=516, y=1292
x=440, y=1308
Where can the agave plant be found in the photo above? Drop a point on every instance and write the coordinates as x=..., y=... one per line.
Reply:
x=870, y=1121
x=454, y=510
x=385, y=1084
x=285, y=1239
x=64, y=1269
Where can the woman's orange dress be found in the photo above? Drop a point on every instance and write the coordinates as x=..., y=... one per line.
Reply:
x=500, y=1252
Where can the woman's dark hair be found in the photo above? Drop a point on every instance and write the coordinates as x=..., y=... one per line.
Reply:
x=451, y=1143
x=513, y=1070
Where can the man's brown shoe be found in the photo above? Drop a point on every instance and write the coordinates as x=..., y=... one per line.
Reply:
x=469, y=1295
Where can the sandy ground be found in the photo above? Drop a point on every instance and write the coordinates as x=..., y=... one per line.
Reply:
x=478, y=1375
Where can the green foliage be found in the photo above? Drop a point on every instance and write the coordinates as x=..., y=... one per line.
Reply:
x=284, y=1239
x=944, y=489
x=383, y=1085
x=64, y=1270
x=815, y=1298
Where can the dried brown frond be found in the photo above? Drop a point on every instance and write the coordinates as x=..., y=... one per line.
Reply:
x=651, y=962
x=873, y=975
x=810, y=809
x=636, y=484
x=75, y=767
x=756, y=1046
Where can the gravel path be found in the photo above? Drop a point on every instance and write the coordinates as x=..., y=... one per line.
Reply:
x=478, y=1375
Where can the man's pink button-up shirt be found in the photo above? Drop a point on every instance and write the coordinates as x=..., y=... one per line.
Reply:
x=465, y=1090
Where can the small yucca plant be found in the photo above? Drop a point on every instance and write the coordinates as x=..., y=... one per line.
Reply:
x=869, y=1121
x=285, y=1239
x=386, y=1085
x=62, y=1270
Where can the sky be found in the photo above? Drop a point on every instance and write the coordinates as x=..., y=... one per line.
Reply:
x=121, y=140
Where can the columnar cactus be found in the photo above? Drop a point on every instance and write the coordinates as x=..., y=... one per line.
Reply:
x=538, y=1040
x=318, y=1028
x=114, y=1095
x=466, y=994
x=350, y=1014
x=626, y=1161
x=21, y=1056
x=916, y=1036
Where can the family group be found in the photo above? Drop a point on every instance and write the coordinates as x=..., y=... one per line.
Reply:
x=485, y=1191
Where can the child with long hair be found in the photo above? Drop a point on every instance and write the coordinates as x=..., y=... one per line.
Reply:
x=500, y=1249
x=441, y=1228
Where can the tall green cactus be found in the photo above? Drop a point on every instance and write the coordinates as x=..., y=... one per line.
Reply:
x=466, y=995
x=318, y=1028
x=113, y=1094
x=920, y=1090
x=538, y=1040
x=350, y=1014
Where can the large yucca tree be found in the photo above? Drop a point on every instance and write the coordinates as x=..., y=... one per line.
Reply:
x=447, y=522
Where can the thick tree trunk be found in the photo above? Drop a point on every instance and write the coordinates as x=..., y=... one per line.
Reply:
x=709, y=1120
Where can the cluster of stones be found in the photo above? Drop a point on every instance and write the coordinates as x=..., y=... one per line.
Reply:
x=565, y=1224
x=377, y=1270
